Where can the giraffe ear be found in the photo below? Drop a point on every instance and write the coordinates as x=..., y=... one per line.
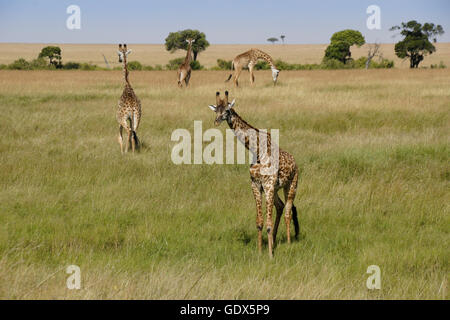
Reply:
x=231, y=105
x=128, y=52
x=213, y=107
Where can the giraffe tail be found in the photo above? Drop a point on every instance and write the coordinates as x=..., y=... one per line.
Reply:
x=295, y=218
x=231, y=74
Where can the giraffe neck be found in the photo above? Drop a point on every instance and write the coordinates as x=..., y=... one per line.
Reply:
x=244, y=132
x=187, y=60
x=265, y=57
x=125, y=70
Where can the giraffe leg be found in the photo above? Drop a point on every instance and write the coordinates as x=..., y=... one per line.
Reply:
x=236, y=76
x=120, y=138
x=133, y=142
x=256, y=189
x=269, y=190
x=127, y=144
x=188, y=77
x=289, y=193
x=136, y=119
x=279, y=205
x=252, y=77
x=180, y=78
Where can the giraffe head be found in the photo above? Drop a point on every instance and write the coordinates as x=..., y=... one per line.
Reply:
x=123, y=52
x=222, y=108
x=275, y=73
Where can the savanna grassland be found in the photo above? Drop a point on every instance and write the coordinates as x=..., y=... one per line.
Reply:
x=373, y=148
x=156, y=54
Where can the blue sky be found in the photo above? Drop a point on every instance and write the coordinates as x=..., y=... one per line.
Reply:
x=231, y=21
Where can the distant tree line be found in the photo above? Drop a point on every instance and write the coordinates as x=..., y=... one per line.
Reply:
x=414, y=46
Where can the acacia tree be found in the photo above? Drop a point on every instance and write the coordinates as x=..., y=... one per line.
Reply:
x=341, y=42
x=416, y=42
x=282, y=38
x=53, y=54
x=177, y=40
x=272, y=40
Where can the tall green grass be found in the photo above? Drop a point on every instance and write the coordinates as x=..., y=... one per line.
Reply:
x=374, y=189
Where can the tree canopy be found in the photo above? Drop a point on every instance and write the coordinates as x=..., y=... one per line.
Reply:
x=416, y=40
x=352, y=37
x=341, y=42
x=177, y=40
x=53, y=53
x=272, y=39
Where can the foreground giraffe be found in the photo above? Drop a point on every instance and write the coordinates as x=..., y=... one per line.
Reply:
x=129, y=107
x=184, y=71
x=284, y=177
x=249, y=59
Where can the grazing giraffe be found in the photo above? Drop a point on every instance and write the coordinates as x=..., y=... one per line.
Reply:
x=250, y=58
x=184, y=71
x=285, y=175
x=129, y=108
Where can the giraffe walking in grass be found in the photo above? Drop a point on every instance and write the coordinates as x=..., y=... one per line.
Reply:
x=265, y=178
x=249, y=59
x=184, y=71
x=129, y=110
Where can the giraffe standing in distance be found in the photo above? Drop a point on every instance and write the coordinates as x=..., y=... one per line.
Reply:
x=249, y=59
x=184, y=71
x=129, y=110
x=285, y=175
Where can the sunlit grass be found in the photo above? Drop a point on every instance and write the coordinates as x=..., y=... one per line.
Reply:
x=373, y=149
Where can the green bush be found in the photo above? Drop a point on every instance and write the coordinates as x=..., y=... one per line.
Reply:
x=3, y=66
x=262, y=65
x=195, y=65
x=282, y=65
x=441, y=65
x=360, y=63
x=174, y=64
x=71, y=65
x=134, y=65
x=223, y=64
x=20, y=64
x=89, y=67
x=374, y=64
x=382, y=64
x=39, y=64
x=333, y=64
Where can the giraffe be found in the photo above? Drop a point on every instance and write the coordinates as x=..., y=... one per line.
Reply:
x=250, y=58
x=184, y=71
x=285, y=175
x=129, y=108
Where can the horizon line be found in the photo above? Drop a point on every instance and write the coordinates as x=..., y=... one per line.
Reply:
x=142, y=43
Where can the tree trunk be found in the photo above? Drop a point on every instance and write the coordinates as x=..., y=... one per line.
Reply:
x=195, y=55
x=411, y=61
